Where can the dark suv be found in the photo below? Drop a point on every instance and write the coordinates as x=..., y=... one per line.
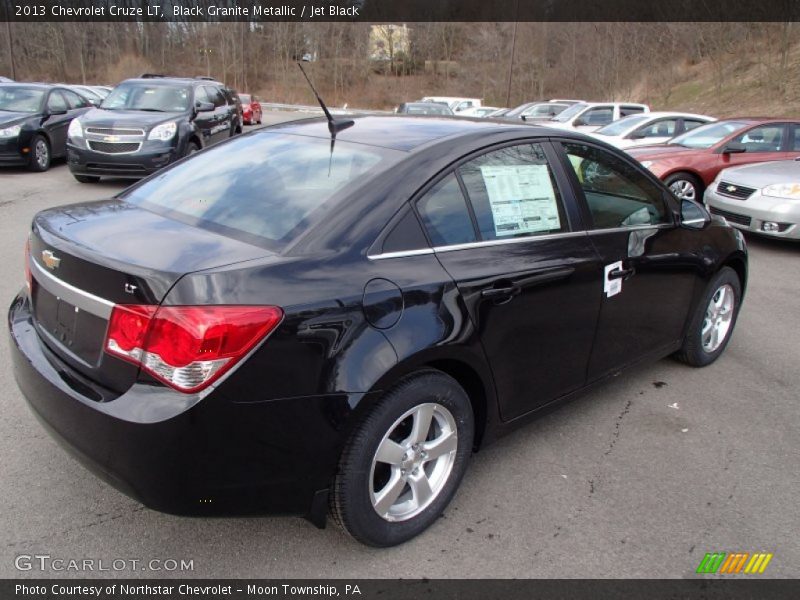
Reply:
x=145, y=124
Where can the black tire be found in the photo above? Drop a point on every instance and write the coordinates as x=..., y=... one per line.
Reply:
x=40, y=154
x=351, y=495
x=693, y=352
x=684, y=180
x=86, y=178
x=191, y=148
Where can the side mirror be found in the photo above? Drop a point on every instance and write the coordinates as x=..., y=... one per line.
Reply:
x=57, y=111
x=579, y=122
x=636, y=135
x=204, y=107
x=734, y=148
x=693, y=215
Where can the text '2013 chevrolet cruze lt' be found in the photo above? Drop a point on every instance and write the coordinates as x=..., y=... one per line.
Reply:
x=314, y=318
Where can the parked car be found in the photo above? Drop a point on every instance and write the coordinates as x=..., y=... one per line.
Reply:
x=284, y=323
x=456, y=104
x=690, y=162
x=424, y=108
x=649, y=128
x=538, y=111
x=251, y=109
x=588, y=116
x=762, y=198
x=145, y=124
x=34, y=118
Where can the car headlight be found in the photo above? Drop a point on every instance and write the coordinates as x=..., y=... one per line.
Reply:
x=782, y=190
x=163, y=132
x=10, y=132
x=75, y=129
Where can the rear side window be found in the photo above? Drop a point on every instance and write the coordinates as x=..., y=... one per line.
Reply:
x=264, y=189
x=513, y=193
x=617, y=194
x=796, y=138
x=444, y=212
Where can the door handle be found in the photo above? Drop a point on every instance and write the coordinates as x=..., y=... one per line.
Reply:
x=501, y=293
x=621, y=273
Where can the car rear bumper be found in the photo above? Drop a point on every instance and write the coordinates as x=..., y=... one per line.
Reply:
x=751, y=214
x=180, y=453
x=83, y=161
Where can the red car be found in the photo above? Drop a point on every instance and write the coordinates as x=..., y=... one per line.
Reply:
x=690, y=162
x=251, y=109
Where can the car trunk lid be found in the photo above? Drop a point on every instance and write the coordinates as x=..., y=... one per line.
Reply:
x=86, y=258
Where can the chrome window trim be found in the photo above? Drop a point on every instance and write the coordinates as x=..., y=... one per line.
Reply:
x=92, y=304
x=630, y=228
x=401, y=254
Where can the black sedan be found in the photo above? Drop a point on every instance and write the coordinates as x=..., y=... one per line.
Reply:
x=34, y=119
x=289, y=323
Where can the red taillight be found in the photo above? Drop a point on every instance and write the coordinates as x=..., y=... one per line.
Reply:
x=188, y=347
x=28, y=275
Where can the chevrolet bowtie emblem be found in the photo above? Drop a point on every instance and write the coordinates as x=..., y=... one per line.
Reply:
x=731, y=188
x=50, y=259
x=111, y=138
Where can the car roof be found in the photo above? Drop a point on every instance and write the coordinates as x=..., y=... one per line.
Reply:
x=44, y=86
x=173, y=80
x=408, y=132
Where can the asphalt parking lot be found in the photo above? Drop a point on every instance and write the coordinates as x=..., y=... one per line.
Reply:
x=637, y=479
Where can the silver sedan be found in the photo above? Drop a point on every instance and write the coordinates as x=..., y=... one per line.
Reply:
x=763, y=198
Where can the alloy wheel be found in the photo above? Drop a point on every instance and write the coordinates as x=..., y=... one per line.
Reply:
x=41, y=154
x=413, y=462
x=683, y=189
x=718, y=319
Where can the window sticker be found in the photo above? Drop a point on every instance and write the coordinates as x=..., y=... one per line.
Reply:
x=522, y=199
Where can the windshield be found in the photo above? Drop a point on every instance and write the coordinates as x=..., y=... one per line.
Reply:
x=263, y=189
x=142, y=96
x=570, y=112
x=16, y=98
x=622, y=126
x=245, y=98
x=707, y=135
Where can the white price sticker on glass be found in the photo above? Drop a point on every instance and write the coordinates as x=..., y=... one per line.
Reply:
x=522, y=199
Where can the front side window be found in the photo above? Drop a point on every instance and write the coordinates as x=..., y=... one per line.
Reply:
x=766, y=138
x=662, y=128
x=617, y=194
x=75, y=100
x=215, y=96
x=264, y=189
x=513, y=193
x=444, y=212
x=56, y=102
x=602, y=115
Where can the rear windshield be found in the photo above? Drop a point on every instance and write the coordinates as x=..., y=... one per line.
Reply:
x=265, y=188
x=154, y=98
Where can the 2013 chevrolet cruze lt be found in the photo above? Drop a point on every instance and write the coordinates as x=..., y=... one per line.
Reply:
x=289, y=322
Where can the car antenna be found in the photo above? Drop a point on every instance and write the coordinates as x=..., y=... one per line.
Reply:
x=334, y=126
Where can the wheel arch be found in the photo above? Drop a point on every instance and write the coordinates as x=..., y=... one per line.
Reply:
x=738, y=263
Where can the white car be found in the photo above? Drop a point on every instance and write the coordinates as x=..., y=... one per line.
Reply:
x=762, y=198
x=588, y=116
x=649, y=128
